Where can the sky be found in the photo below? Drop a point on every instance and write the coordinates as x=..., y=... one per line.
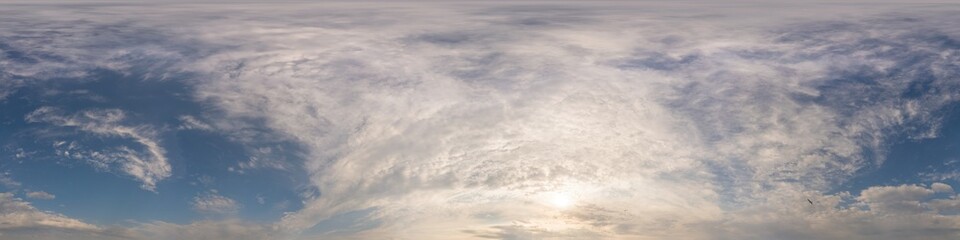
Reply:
x=295, y=120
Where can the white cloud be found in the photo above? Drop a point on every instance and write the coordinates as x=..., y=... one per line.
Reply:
x=428, y=121
x=192, y=123
x=895, y=194
x=20, y=220
x=40, y=195
x=904, y=198
x=149, y=166
x=16, y=213
x=8, y=182
x=213, y=203
x=941, y=187
x=693, y=123
x=264, y=157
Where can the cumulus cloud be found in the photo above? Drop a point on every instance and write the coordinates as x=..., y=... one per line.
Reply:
x=40, y=195
x=941, y=187
x=468, y=120
x=148, y=166
x=905, y=198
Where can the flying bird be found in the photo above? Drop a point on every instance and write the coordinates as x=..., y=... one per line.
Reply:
x=811, y=202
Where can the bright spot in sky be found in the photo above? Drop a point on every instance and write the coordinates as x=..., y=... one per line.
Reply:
x=561, y=200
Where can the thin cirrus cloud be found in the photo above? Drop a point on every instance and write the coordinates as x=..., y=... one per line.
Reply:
x=213, y=203
x=527, y=121
x=149, y=166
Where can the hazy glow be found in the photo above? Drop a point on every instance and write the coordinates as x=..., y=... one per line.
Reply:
x=561, y=200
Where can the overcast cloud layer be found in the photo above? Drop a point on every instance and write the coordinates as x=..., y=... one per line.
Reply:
x=504, y=121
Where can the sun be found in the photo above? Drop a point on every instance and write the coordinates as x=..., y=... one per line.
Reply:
x=561, y=201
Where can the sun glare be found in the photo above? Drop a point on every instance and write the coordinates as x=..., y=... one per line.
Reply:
x=561, y=201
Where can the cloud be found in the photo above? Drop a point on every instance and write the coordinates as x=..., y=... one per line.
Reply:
x=694, y=123
x=226, y=229
x=8, y=182
x=18, y=214
x=879, y=212
x=40, y=195
x=904, y=198
x=213, y=203
x=20, y=220
x=192, y=123
x=674, y=130
x=148, y=166
x=424, y=121
x=941, y=187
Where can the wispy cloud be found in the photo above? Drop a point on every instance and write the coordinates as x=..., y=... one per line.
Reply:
x=40, y=195
x=214, y=203
x=192, y=123
x=149, y=166
x=8, y=182
x=16, y=213
x=469, y=120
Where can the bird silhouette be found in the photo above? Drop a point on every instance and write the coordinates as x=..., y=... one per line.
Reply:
x=811, y=202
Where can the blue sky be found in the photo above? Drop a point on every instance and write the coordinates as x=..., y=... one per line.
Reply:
x=202, y=158
x=531, y=120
